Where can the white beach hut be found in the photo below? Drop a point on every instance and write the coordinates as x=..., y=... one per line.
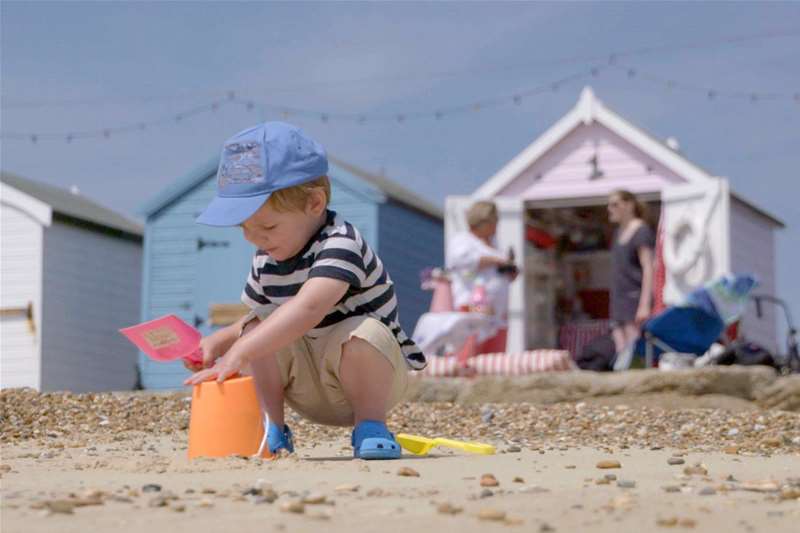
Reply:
x=70, y=277
x=567, y=173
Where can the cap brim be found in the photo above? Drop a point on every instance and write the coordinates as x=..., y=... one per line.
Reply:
x=224, y=211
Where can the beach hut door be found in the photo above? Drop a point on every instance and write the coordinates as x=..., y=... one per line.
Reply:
x=695, y=235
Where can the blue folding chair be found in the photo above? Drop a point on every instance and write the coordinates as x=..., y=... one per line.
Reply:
x=678, y=329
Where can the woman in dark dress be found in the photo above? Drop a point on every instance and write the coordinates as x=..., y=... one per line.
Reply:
x=632, y=268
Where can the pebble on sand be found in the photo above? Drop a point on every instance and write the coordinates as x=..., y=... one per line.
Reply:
x=406, y=471
x=489, y=513
x=448, y=508
x=488, y=480
x=609, y=463
x=697, y=470
x=675, y=461
x=626, y=484
x=293, y=506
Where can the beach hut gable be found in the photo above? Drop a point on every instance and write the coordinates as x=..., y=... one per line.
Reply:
x=589, y=152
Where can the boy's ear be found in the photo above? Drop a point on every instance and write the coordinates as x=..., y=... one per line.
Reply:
x=317, y=201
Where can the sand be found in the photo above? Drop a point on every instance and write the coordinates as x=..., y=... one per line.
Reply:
x=705, y=463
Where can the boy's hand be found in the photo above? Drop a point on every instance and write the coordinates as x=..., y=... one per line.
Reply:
x=227, y=366
x=210, y=347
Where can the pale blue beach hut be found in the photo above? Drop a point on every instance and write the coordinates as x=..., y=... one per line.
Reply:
x=197, y=272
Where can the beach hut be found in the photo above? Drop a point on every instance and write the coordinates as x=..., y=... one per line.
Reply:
x=555, y=191
x=198, y=272
x=71, y=276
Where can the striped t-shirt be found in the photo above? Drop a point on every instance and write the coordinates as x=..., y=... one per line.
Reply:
x=336, y=251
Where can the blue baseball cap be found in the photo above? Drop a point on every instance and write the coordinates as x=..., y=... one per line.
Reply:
x=257, y=162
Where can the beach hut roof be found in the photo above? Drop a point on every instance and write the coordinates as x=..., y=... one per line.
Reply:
x=589, y=109
x=72, y=205
x=385, y=185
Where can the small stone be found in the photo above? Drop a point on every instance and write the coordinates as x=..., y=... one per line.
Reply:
x=707, y=491
x=733, y=432
x=609, y=463
x=158, y=501
x=178, y=507
x=205, y=503
x=626, y=484
x=319, y=515
x=488, y=480
x=293, y=506
x=375, y=492
x=696, y=470
x=671, y=488
x=546, y=528
x=533, y=489
x=790, y=493
x=60, y=506
x=675, y=461
x=517, y=479
x=314, y=499
x=347, y=488
x=611, y=477
x=602, y=481
x=448, y=508
x=208, y=490
x=151, y=487
x=760, y=486
x=570, y=467
x=771, y=442
x=731, y=450
x=406, y=471
x=513, y=449
x=492, y=514
x=672, y=521
x=687, y=522
x=486, y=493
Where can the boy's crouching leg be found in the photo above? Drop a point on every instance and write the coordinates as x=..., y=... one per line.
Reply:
x=366, y=376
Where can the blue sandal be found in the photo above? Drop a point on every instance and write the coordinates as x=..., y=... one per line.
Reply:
x=279, y=439
x=372, y=440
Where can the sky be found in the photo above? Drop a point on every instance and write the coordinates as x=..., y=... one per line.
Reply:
x=73, y=66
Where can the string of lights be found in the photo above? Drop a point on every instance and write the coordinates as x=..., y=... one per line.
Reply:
x=11, y=103
x=517, y=98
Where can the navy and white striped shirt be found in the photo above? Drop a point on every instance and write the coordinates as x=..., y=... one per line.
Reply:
x=337, y=251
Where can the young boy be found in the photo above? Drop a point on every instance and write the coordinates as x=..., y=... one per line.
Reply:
x=323, y=332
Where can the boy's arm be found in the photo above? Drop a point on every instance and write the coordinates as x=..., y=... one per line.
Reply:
x=287, y=323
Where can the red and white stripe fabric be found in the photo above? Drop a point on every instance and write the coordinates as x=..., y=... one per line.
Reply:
x=573, y=336
x=503, y=364
x=659, y=270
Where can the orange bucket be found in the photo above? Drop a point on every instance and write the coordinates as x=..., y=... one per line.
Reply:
x=226, y=420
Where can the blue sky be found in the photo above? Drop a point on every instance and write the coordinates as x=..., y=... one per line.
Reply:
x=70, y=66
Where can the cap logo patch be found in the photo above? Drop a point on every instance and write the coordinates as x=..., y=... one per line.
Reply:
x=241, y=164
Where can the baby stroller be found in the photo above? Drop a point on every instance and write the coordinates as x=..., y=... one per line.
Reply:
x=694, y=326
x=788, y=363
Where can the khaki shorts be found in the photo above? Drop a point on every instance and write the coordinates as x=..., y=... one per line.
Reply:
x=310, y=370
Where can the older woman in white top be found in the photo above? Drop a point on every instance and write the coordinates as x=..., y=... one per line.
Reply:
x=472, y=259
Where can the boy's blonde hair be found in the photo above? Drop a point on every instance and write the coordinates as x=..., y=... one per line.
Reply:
x=295, y=198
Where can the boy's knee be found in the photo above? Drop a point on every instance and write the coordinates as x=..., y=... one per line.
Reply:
x=361, y=350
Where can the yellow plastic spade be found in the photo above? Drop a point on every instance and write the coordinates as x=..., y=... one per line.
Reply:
x=422, y=445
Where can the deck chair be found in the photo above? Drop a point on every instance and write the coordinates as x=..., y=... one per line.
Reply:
x=677, y=329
